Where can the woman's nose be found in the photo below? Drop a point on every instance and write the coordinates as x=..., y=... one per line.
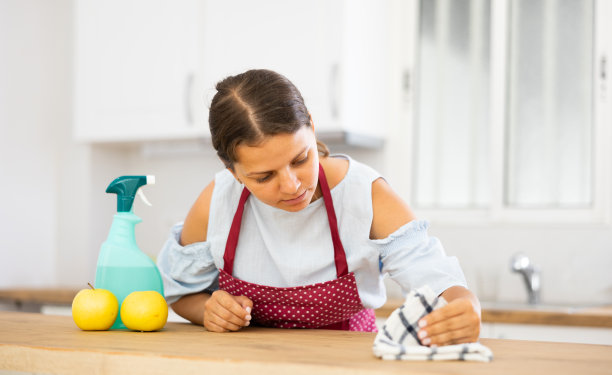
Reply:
x=289, y=183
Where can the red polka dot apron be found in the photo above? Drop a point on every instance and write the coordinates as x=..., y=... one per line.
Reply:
x=333, y=304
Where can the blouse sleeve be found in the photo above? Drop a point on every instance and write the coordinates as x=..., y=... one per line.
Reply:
x=413, y=259
x=186, y=269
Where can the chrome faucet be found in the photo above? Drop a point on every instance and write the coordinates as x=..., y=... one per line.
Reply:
x=531, y=274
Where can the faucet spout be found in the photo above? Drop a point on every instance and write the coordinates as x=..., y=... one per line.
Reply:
x=521, y=264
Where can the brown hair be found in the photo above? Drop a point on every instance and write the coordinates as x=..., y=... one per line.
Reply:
x=251, y=106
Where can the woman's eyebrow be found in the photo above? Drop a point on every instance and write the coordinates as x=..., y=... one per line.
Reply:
x=297, y=156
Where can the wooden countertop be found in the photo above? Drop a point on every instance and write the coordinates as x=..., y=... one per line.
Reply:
x=53, y=296
x=587, y=317
x=54, y=345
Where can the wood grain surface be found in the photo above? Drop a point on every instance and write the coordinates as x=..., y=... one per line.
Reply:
x=54, y=345
x=53, y=296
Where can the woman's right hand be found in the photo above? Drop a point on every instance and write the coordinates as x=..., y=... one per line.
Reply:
x=224, y=312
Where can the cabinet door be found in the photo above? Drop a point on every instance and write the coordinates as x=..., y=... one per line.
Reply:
x=299, y=39
x=136, y=64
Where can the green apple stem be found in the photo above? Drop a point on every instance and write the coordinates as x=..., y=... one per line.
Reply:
x=91, y=286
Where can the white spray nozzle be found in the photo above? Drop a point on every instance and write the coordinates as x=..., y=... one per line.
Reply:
x=150, y=180
x=142, y=196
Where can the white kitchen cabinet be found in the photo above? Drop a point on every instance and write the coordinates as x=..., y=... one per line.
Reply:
x=146, y=70
x=299, y=39
x=137, y=70
x=334, y=51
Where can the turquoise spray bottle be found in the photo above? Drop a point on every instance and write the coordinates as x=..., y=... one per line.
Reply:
x=122, y=267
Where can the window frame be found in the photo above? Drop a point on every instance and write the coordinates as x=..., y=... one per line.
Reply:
x=405, y=22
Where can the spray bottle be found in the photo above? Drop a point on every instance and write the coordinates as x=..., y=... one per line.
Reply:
x=122, y=267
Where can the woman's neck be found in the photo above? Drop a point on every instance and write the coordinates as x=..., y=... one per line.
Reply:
x=317, y=194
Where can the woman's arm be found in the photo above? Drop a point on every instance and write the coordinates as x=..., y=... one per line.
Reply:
x=390, y=211
x=196, y=222
x=191, y=307
x=219, y=311
x=457, y=322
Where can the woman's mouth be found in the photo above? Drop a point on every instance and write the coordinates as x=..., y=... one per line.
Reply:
x=297, y=200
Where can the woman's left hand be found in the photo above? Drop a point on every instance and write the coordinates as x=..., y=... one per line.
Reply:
x=456, y=323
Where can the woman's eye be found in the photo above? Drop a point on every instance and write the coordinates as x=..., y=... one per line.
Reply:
x=263, y=179
x=301, y=161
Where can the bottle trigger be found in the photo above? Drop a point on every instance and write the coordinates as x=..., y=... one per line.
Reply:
x=143, y=198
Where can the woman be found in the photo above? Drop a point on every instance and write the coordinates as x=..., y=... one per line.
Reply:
x=289, y=236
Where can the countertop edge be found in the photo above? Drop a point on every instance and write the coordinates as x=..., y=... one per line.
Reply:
x=597, y=317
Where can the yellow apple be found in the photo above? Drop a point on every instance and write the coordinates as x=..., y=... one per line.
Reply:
x=94, y=309
x=144, y=311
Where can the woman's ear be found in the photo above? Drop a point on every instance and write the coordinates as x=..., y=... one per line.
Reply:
x=234, y=174
x=311, y=122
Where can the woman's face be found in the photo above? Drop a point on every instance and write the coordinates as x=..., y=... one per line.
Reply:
x=282, y=171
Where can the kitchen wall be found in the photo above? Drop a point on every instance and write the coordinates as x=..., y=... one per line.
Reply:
x=34, y=121
x=55, y=214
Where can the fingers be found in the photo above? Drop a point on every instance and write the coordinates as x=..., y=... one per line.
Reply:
x=456, y=307
x=224, y=312
x=213, y=327
x=454, y=323
x=245, y=302
x=459, y=336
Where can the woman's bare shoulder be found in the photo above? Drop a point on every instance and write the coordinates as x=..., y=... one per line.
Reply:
x=335, y=169
x=196, y=222
x=390, y=211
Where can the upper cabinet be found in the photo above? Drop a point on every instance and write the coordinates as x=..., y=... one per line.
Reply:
x=299, y=39
x=147, y=69
x=137, y=69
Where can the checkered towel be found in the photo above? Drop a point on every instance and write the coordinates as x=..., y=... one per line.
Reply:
x=398, y=337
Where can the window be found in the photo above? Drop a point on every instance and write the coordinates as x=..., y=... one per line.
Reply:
x=452, y=103
x=510, y=117
x=549, y=123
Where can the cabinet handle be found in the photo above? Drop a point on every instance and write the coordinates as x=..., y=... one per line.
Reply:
x=187, y=98
x=406, y=85
x=603, y=76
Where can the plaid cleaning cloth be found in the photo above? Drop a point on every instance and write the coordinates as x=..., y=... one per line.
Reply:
x=398, y=337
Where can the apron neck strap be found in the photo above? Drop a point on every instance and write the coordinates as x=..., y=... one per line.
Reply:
x=339, y=255
x=234, y=233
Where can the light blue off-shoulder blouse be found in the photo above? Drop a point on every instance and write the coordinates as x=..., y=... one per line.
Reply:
x=285, y=249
